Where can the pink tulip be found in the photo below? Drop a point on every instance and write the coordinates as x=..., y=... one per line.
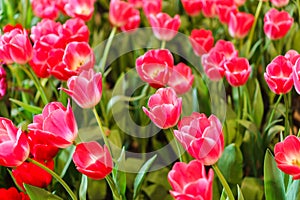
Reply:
x=3, y=84
x=202, y=41
x=237, y=71
x=292, y=56
x=75, y=30
x=136, y=3
x=224, y=12
x=277, y=23
x=226, y=48
x=85, y=89
x=14, y=147
x=279, y=3
x=240, y=24
x=164, y=27
x=45, y=27
x=181, y=79
x=45, y=9
x=192, y=7
x=287, y=156
x=239, y=2
x=213, y=65
x=93, y=160
x=152, y=7
x=279, y=75
x=56, y=124
x=133, y=22
x=209, y=8
x=15, y=47
x=164, y=108
x=201, y=137
x=82, y=9
x=154, y=66
x=296, y=76
x=190, y=181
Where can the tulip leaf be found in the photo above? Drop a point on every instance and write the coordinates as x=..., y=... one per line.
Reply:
x=141, y=176
x=63, y=160
x=30, y=108
x=36, y=193
x=83, y=187
x=252, y=188
x=224, y=195
x=258, y=105
x=240, y=194
x=119, y=175
x=293, y=192
x=274, y=185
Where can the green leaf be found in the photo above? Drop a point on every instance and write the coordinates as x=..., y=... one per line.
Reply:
x=293, y=192
x=224, y=195
x=240, y=194
x=274, y=185
x=252, y=188
x=258, y=105
x=63, y=160
x=231, y=164
x=30, y=108
x=36, y=193
x=141, y=176
x=119, y=175
x=83, y=187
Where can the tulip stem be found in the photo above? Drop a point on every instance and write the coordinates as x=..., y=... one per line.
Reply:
x=274, y=109
x=112, y=186
x=107, y=48
x=286, y=123
x=56, y=176
x=163, y=44
x=223, y=182
x=101, y=130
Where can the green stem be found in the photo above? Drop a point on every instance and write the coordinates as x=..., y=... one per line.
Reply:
x=101, y=129
x=274, y=109
x=223, y=182
x=107, y=48
x=163, y=44
x=258, y=9
x=286, y=124
x=112, y=187
x=177, y=144
x=57, y=177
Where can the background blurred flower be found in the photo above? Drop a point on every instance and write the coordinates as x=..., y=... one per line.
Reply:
x=181, y=79
x=240, y=24
x=202, y=41
x=3, y=84
x=152, y=7
x=279, y=3
x=192, y=7
x=82, y=9
x=45, y=9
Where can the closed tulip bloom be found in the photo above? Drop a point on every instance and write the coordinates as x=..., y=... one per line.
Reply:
x=209, y=8
x=237, y=71
x=296, y=76
x=164, y=27
x=46, y=9
x=190, y=181
x=93, y=160
x=226, y=48
x=279, y=3
x=133, y=22
x=240, y=24
x=192, y=7
x=3, y=84
x=213, y=65
x=224, y=12
x=277, y=23
x=152, y=7
x=56, y=124
x=202, y=41
x=14, y=147
x=287, y=156
x=12, y=194
x=85, y=89
x=279, y=75
x=82, y=9
x=29, y=173
x=292, y=56
x=181, y=79
x=164, y=108
x=201, y=137
x=154, y=67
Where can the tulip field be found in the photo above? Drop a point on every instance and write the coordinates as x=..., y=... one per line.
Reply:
x=150, y=99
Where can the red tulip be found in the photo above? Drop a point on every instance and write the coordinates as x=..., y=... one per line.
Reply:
x=277, y=23
x=240, y=24
x=133, y=22
x=85, y=89
x=45, y=27
x=287, y=156
x=202, y=41
x=209, y=8
x=56, y=124
x=31, y=174
x=93, y=160
x=12, y=194
x=3, y=84
x=164, y=27
x=154, y=66
x=192, y=7
x=226, y=48
x=152, y=7
x=224, y=12
x=75, y=30
x=237, y=71
x=278, y=75
x=82, y=9
x=164, y=108
x=15, y=47
x=292, y=56
x=279, y=3
x=213, y=65
x=14, y=147
x=181, y=79
x=190, y=181
x=136, y=3
x=45, y=9
x=296, y=76
x=202, y=137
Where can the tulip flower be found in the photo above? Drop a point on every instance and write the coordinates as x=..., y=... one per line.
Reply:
x=154, y=66
x=213, y=65
x=292, y=56
x=277, y=23
x=287, y=156
x=190, y=181
x=85, y=89
x=201, y=137
x=31, y=174
x=202, y=41
x=56, y=124
x=3, y=84
x=226, y=48
x=279, y=3
x=181, y=79
x=237, y=71
x=296, y=76
x=45, y=27
x=136, y=3
x=224, y=12
x=45, y=9
x=239, y=2
x=82, y=9
x=164, y=108
x=164, y=27
x=75, y=30
x=192, y=7
x=240, y=24
x=152, y=7
x=12, y=194
x=14, y=147
x=279, y=75
x=93, y=160
x=209, y=8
